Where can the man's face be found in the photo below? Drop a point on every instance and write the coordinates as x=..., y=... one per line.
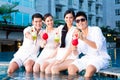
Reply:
x=81, y=22
x=37, y=23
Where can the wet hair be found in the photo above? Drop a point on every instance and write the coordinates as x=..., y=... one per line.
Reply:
x=80, y=13
x=65, y=28
x=47, y=15
x=37, y=15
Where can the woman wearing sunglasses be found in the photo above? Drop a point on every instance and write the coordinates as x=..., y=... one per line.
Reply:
x=92, y=44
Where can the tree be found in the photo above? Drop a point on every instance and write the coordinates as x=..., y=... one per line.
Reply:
x=6, y=10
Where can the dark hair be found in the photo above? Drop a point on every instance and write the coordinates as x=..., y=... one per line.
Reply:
x=47, y=15
x=65, y=28
x=37, y=15
x=80, y=13
x=68, y=12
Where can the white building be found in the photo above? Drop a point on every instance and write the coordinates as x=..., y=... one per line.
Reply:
x=93, y=8
x=111, y=16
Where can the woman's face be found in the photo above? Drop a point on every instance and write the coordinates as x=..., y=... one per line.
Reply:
x=49, y=21
x=81, y=22
x=69, y=19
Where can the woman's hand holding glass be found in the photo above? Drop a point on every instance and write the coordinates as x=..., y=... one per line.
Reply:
x=44, y=39
x=75, y=43
x=56, y=40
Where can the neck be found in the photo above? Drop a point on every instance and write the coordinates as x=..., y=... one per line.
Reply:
x=49, y=29
x=69, y=26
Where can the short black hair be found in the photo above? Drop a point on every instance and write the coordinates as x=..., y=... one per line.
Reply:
x=37, y=15
x=81, y=13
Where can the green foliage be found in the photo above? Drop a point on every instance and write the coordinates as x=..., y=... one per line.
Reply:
x=6, y=10
x=109, y=33
x=58, y=22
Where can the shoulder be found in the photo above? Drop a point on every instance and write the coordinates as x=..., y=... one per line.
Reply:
x=61, y=26
x=28, y=28
x=96, y=28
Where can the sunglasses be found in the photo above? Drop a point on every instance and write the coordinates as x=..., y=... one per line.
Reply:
x=78, y=20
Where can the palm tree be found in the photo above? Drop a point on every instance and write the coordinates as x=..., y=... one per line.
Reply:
x=6, y=10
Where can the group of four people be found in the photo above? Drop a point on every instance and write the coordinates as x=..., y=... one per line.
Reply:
x=62, y=55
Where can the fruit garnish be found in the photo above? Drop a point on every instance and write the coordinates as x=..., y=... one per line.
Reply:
x=57, y=38
x=45, y=36
x=75, y=42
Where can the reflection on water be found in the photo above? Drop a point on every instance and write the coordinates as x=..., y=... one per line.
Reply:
x=21, y=75
x=41, y=76
x=115, y=56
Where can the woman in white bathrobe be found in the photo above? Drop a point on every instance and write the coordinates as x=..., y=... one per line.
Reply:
x=92, y=44
x=63, y=56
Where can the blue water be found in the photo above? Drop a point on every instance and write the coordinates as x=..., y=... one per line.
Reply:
x=115, y=56
x=21, y=75
x=6, y=56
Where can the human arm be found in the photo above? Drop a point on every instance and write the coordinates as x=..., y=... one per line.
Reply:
x=84, y=38
x=43, y=41
x=95, y=39
x=90, y=43
x=30, y=33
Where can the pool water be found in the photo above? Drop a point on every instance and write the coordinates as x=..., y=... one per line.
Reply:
x=21, y=75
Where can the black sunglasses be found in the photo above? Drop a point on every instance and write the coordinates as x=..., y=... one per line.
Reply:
x=78, y=20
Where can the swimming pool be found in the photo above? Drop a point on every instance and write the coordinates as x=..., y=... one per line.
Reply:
x=21, y=75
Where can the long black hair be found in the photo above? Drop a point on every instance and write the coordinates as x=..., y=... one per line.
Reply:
x=65, y=28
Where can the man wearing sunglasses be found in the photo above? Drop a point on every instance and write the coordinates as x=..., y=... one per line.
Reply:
x=92, y=44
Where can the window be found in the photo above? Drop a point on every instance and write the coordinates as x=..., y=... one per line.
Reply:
x=80, y=3
x=18, y=18
x=117, y=1
x=90, y=20
x=117, y=12
x=118, y=24
x=58, y=12
x=97, y=21
x=69, y=2
x=97, y=9
x=25, y=19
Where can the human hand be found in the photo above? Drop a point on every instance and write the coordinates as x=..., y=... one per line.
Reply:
x=56, y=44
x=28, y=35
x=45, y=36
x=43, y=43
x=81, y=36
x=33, y=34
